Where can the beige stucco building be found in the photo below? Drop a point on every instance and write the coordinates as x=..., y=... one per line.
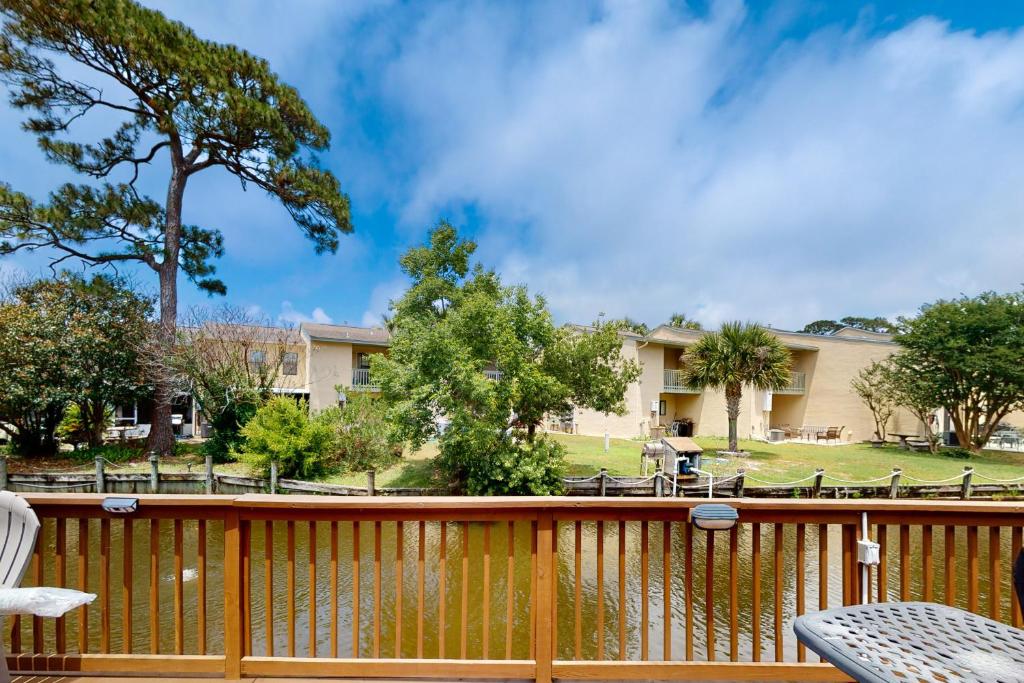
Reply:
x=326, y=363
x=819, y=395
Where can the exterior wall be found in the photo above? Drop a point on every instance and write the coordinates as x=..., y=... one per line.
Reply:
x=637, y=417
x=330, y=365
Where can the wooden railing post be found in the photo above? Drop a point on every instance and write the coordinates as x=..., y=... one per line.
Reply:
x=3, y=472
x=273, y=476
x=209, y=474
x=543, y=627
x=232, y=596
x=819, y=474
x=101, y=484
x=740, y=476
x=371, y=482
x=603, y=482
x=154, y=473
x=965, y=486
x=894, y=483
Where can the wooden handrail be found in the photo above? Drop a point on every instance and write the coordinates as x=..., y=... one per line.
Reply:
x=651, y=583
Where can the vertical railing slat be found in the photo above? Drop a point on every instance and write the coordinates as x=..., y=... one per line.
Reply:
x=1016, y=541
x=334, y=589
x=688, y=586
x=61, y=569
x=485, y=623
x=421, y=560
x=950, y=553
x=995, y=574
x=179, y=587
x=510, y=587
x=464, y=602
x=104, y=585
x=83, y=584
x=268, y=584
x=734, y=594
x=578, y=592
x=442, y=568
x=928, y=580
x=290, y=588
x=755, y=589
x=666, y=574
x=622, y=589
x=904, y=562
x=801, y=587
x=709, y=594
x=399, y=578
x=533, y=590
x=972, y=568
x=355, y=589
x=778, y=635
x=822, y=567
x=312, y=589
x=37, y=566
x=245, y=548
x=600, y=590
x=154, y=586
x=882, y=534
x=377, y=588
x=126, y=585
x=645, y=597
x=201, y=588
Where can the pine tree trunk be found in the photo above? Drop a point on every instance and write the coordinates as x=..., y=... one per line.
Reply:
x=161, y=435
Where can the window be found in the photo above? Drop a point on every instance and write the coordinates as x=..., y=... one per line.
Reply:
x=257, y=359
x=662, y=407
x=363, y=361
x=290, y=363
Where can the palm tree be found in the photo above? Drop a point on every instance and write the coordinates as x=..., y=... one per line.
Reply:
x=738, y=354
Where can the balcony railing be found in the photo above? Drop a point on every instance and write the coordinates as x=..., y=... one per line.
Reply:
x=493, y=374
x=361, y=380
x=797, y=384
x=675, y=383
x=462, y=587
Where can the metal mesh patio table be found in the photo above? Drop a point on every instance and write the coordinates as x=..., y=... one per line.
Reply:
x=914, y=641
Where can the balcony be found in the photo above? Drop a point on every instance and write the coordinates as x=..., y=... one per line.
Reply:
x=675, y=383
x=797, y=384
x=361, y=380
x=493, y=374
x=213, y=587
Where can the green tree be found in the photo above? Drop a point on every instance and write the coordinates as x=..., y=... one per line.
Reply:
x=69, y=341
x=876, y=324
x=627, y=324
x=968, y=354
x=680, y=320
x=739, y=354
x=172, y=98
x=875, y=387
x=229, y=361
x=457, y=321
x=823, y=327
x=365, y=437
x=913, y=390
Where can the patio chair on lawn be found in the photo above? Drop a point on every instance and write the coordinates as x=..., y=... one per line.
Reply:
x=19, y=527
x=830, y=434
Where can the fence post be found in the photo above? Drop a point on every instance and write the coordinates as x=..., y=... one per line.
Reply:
x=965, y=487
x=603, y=483
x=659, y=485
x=209, y=474
x=3, y=472
x=894, y=483
x=371, y=482
x=273, y=476
x=543, y=628
x=101, y=483
x=819, y=474
x=154, y=473
x=740, y=476
x=233, y=618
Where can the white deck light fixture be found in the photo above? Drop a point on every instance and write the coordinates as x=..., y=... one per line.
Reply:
x=714, y=516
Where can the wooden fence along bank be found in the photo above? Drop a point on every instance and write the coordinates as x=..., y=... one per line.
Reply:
x=445, y=587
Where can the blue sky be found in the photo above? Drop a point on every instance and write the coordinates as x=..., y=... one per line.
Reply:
x=779, y=162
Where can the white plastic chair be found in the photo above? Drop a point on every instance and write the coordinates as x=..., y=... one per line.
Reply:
x=19, y=528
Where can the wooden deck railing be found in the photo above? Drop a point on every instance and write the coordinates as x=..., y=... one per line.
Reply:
x=534, y=588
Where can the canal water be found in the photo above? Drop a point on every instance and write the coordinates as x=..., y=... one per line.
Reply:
x=656, y=594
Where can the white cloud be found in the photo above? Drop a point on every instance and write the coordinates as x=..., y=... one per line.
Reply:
x=292, y=316
x=635, y=162
x=380, y=299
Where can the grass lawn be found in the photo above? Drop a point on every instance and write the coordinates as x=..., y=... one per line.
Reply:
x=773, y=462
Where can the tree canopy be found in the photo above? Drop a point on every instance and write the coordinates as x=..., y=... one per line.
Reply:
x=479, y=364
x=680, y=320
x=876, y=324
x=166, y=96
x=69, y=341
x=967, y=355
x=738, y=354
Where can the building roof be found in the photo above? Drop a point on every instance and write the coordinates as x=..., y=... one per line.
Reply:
x=799, y=341
x=248, y=333
x=346, y=333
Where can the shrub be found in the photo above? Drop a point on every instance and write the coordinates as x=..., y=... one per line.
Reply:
x=226, y=437
x=956, y=452
x=365, y=437
x=511, y=466
x=282, y=431
x=111, y=452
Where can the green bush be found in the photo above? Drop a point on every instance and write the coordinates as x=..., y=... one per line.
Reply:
x=282, y=431
x=226, y=437
x=956, y=452
x=511, y=466
x=111, y=452
x=365, y=437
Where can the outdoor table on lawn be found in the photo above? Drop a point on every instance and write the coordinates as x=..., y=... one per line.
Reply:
x=914, y=641
x=903, y=439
